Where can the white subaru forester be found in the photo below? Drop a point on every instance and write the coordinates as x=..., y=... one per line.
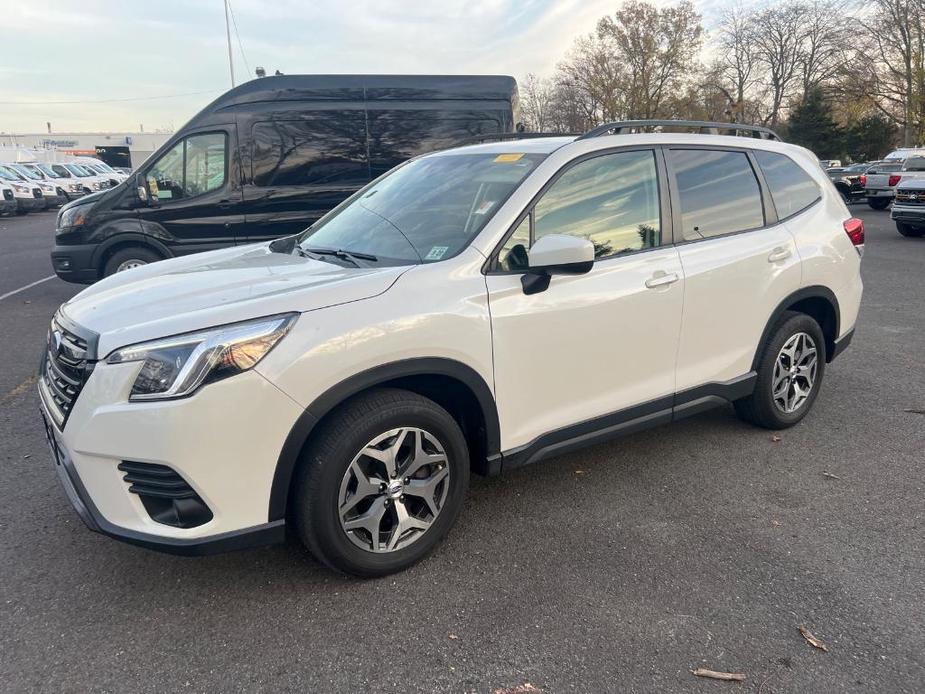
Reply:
x=473, y=310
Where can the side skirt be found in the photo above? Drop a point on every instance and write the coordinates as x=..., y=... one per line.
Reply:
x=627, y=421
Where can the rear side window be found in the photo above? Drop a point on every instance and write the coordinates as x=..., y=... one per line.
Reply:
x=791, y=187
x=914, y=164
x=322, y=148
x=719, y=193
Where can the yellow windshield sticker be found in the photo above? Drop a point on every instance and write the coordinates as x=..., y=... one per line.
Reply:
x=501, y=158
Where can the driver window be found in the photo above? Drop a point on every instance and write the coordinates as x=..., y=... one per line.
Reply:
x=193, y=166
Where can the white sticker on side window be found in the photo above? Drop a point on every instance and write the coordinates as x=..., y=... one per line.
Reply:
x=436, y=252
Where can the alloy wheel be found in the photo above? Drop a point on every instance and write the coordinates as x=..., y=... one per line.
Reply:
x=393, y=490
x=794, y=373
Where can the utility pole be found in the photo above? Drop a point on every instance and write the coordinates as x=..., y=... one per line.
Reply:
x=228, y=36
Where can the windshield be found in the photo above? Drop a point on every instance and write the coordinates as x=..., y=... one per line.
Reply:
x=48, y=171
x=25, y=171
x=425, y=211
x=77, y=170
x=10, y=175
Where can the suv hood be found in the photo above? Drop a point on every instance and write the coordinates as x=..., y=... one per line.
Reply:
x=912, y=183
x=209, y=289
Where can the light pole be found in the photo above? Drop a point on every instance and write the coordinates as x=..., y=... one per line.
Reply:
x=228, y=36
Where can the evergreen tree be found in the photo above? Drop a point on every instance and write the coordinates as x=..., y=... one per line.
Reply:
x=812, y=126
x=871, y=138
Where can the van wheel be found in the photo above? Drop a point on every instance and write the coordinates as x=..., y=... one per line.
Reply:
x=128, y=258
x=381, y=483
x=790, y=374
x=879, y=203
x=909, y=230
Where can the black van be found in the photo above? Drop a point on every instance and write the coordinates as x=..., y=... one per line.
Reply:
x=268, y=158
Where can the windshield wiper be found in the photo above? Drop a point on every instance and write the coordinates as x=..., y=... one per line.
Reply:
x=340, y=253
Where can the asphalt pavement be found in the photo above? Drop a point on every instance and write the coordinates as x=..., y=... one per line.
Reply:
x=706, y=543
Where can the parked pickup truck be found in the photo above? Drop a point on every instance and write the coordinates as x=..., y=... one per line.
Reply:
x=847, y=181
x=909, y=207
x=880, y=183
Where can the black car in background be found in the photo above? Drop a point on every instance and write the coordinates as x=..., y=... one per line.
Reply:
x=268, y=158
x=847, y=180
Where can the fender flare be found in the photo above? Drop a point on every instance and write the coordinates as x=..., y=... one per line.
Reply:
x=131, y=237
x=812, y=292
x=334, y=396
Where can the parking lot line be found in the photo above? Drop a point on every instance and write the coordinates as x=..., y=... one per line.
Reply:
x=24, y=288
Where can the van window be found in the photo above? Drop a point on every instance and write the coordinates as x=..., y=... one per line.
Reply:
x=396, y=135
x=719, y=192
x=791, y=187
x=194, y=166
x=322, y=148
x=914, y=164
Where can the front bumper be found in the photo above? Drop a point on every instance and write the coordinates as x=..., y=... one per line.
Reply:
x=30, y=204
x=54, y=200
x=910, y=214
x=75, y=263
x=7, y=206
x=224, y=441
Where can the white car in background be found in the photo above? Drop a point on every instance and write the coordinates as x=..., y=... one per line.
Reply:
x=53, y=193
x=26, y=193
x=91, y=180
x=101, y=168
x=73, y=185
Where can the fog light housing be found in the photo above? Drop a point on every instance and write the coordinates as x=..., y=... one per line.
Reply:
x=166, y=496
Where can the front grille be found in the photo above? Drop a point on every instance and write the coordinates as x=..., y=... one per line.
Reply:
x=911, y=198
x=8, y=194
x=166, y=496
x=64, y=371
x=36, y=192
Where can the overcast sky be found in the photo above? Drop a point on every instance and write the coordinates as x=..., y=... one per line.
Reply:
x=98, y=51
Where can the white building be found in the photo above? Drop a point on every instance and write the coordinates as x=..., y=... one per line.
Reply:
x=136, y=146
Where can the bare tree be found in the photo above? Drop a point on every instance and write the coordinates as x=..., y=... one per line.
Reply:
x=736, y=64
x=778, y=35
x=536, y=96
x=825, y=41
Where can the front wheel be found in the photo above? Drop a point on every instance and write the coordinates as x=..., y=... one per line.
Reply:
x=128, y=259
x=790, y=373
x=909, y=230
x=381, y=483
x=879, y=203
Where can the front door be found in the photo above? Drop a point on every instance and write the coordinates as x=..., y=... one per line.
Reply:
x=196, y=194
x=595, y=344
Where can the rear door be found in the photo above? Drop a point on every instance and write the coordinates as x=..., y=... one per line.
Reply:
x=302, y=165
x=196, y=186
x=739, y=261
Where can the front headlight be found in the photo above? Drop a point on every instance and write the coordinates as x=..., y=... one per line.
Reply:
x=73, y=217
x=176, y=366
x=20, y=188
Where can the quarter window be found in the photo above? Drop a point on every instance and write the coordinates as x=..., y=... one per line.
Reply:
x=791, y=187
x=719, y=193
x=611, y=200
x=196, y=165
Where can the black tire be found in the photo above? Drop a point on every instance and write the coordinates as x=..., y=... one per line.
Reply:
x=909, y=230
x=314, y=497
x=879, y=203
x=759, y=408
x=139, y=254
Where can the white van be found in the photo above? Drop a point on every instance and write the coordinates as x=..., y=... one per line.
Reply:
x=28, y=197
x=52, y=193
x=101, y=168
x=7, y=199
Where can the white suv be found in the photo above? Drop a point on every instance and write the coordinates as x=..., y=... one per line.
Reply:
x=475, y=309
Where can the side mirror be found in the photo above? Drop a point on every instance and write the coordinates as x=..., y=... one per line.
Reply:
x=556, y=254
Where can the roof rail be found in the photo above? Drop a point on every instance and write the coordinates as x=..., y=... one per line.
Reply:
x=499, y=137
x=706, y=127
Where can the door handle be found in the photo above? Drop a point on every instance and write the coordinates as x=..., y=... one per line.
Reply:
x=661, y=279
x=224, y=204
x=778, y=254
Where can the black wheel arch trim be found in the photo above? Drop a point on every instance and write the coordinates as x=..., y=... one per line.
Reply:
x=812, y=292
x=131, y=238
x=334, y=396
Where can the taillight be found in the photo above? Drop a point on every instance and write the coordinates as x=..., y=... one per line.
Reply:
x=863, y=180
x=854, y=227
x=894, y=179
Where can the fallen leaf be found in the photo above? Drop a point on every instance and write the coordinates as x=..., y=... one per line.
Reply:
x=812, y=640
x=775, y=438
x=830, y=475
x=728, y=676
x=776, y=523
x=525, y=688
x=27, y=456
x=579, y=472
x=453, y=637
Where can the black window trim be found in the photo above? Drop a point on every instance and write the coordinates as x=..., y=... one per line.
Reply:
x=764, y=184
x=492, y=265
x=227, y=173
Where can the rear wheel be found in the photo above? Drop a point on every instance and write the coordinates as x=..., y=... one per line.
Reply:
x=381, y=483
x=909, y=230
x=879, y=203
x=129, y=258
x=790, y=373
